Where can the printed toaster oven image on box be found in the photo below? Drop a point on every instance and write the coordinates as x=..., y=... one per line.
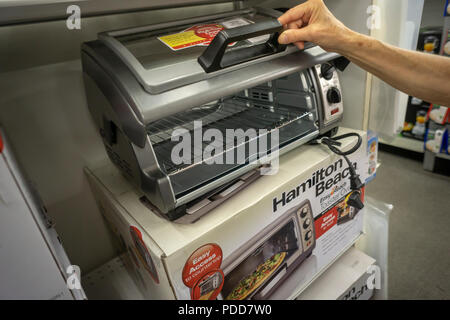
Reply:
x=349, y=207
x=255, y=270
x=209, y=285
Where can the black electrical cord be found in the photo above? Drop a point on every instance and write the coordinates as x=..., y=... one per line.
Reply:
x=332, y=143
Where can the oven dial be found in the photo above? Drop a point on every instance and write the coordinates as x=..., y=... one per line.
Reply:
x=327, y=71
x=306, y=223
x=303, y=213
x=308, y=235
x=334, y=95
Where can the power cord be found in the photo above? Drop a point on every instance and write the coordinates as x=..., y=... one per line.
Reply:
x=333, y=143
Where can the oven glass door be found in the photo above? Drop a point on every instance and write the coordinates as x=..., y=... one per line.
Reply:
x=249, y=278
x=272, y=117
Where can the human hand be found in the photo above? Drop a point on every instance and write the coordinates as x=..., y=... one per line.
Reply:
x=312, y=21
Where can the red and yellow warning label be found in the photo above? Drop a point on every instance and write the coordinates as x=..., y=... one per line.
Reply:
x=194, y=36
x=201, y=34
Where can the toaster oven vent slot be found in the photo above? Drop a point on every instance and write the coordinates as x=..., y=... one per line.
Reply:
x=122, y=164
x=230, y=113
x=261, y=96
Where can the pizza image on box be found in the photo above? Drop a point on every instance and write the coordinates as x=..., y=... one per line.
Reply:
x=263, y=272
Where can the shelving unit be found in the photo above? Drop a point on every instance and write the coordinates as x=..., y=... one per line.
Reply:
x=405, y=143
x=111, y=281
x=429, y=159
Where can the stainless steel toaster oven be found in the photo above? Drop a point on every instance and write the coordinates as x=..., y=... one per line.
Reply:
x=291, y=239
x=150, y=87
x=210, y=284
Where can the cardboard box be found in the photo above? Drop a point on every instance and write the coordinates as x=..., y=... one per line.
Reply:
x=298, y=221
x=346, y=279
x=33, y=263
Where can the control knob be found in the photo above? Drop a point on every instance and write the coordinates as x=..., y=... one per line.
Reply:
x=303, y=213
x=308, y=235
x=306, y=223
x=334, y=95
x=327, y=71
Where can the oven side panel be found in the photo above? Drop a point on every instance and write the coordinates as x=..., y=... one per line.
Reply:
x=138, y=164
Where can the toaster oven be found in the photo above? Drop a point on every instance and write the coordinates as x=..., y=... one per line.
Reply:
x=291, y=239
x=144, y=92
x=209, y=285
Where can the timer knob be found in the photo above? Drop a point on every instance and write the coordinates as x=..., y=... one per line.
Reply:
x=307, y=223
x=327, y=71
x=303, y=213
x=334, y=95
x=308, y=235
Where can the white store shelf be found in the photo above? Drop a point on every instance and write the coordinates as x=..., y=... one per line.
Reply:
x=404, y=143
x=443, y=156
x=111, y=281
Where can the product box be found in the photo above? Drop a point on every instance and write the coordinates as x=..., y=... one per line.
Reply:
x=438, y=114
x=445, y=43
x=267, y=242
x=346, y=279
x=437, y=140
x=372, y=154
x=33, y=263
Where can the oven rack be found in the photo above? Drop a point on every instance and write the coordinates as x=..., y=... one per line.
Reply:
x=230, y=113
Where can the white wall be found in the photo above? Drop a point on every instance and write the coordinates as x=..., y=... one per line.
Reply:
x=400, y=27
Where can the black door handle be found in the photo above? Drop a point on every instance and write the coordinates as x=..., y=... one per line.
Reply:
x=214, y=57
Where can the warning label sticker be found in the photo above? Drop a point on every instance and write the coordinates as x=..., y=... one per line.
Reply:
x=200, y=35
x=181, y=40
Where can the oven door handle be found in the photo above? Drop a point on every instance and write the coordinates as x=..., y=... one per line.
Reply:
x=214, y=57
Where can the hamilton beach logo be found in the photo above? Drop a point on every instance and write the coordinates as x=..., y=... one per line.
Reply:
x=322, y=180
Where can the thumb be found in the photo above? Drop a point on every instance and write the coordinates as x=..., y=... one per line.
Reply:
x=295, y=35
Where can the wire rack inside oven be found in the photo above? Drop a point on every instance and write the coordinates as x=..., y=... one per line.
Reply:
x=234, y=112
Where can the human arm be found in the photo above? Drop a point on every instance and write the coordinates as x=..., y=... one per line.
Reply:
x=421, y=75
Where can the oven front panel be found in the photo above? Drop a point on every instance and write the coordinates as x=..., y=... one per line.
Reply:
x=286, y=107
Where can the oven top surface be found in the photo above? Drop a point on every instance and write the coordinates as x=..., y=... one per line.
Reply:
x=165, y=56
x=170, y=47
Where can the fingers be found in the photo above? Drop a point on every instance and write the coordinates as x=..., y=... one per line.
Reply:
x=295, y=25
x=293, y=14
x=295, y=35
x=300, y=45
